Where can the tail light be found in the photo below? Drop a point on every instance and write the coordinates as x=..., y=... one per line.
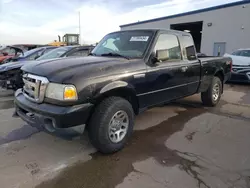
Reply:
x=231, y=65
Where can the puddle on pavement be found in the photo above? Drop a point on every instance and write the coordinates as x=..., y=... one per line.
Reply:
x=6, y=104
x=106, y=171
x=19, y=134
x=246, y=98
x=245, y=88
x=241, y=87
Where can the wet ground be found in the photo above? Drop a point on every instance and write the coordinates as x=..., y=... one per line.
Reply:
x=180, y=145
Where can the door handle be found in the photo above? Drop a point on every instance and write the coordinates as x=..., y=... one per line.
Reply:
x=184, y=69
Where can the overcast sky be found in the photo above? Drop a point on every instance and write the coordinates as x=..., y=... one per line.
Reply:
x=37, y=21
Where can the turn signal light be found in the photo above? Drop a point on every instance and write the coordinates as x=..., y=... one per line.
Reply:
x=70, y=93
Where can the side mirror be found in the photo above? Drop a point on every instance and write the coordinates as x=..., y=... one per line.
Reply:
x=5, y=53
x=153, y=59
x=159, y=56
x=162, y=55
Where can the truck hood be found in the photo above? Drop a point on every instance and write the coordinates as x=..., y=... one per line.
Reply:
x=67, y=70
x=13, y=65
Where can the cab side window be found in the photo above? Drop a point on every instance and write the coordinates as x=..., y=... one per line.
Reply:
x=167, y=48
x=189, y=51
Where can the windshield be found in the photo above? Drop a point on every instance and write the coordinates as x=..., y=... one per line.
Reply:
x=28, y=53
x=244, y=53
x=58, y=52
x=132, y=44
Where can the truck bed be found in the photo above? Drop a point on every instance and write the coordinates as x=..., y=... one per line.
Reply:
x=212, y=58
x=208, y=67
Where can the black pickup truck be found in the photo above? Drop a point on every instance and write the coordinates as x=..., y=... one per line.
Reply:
x=126, y=73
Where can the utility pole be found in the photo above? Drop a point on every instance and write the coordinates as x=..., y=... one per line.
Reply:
x=80, y=28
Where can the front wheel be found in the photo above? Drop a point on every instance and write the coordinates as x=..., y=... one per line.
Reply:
x=212, y=96
x=111, y=124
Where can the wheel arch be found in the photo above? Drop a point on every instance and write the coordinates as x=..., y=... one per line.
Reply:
x=119, y=89
x=220, y=75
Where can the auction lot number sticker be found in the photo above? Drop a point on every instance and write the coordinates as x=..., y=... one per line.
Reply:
x=139, y=38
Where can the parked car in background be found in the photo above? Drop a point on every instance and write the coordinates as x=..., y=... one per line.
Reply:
x=7, y=52
x=10, y=74
x=31, y=54
x=241, y=65
x=67, y=51
x=27, y=47
x=125, y=74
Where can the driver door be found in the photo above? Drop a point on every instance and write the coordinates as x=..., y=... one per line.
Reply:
x=166, y=80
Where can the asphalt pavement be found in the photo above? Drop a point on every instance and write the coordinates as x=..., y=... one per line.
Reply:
x=179, y=145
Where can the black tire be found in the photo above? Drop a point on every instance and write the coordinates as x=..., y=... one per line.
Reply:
x=207, y=96
x=98, y=127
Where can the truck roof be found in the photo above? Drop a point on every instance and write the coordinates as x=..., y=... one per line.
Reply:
x=157, y=30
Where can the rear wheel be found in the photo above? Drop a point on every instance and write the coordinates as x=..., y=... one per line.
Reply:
x=111, y=124
x=212, y=96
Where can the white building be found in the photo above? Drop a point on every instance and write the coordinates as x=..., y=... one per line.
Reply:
x=216, y=30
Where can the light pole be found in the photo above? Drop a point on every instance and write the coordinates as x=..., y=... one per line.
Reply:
x=79, y=27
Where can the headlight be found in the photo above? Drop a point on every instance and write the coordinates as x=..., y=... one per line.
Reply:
x=61, y=92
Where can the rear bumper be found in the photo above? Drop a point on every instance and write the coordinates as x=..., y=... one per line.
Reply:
x=51, y=116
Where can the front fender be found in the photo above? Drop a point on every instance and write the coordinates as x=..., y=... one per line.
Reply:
x=94, y=92
x=114, y=85
x=121, y=89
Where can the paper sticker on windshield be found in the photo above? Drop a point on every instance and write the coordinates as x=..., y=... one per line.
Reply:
x=139, y=38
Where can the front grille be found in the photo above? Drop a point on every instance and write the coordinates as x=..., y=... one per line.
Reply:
x=34, y=87
x=241, y=68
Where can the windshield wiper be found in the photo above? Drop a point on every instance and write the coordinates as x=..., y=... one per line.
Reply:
x=114, y=55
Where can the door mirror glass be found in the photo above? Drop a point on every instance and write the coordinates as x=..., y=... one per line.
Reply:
x=162, y=55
